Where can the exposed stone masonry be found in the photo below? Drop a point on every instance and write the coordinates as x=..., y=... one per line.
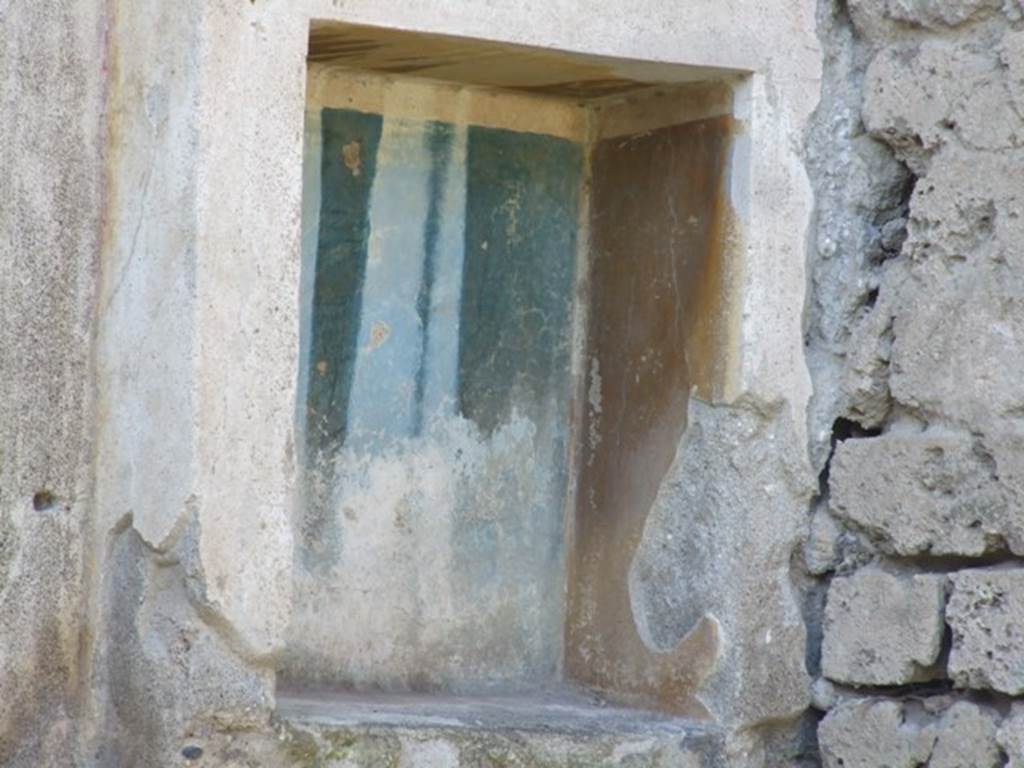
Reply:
x=916, y=344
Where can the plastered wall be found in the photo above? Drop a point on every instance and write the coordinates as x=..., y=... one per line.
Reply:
x=151, y=281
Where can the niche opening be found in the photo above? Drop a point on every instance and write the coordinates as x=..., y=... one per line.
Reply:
x=517, y=266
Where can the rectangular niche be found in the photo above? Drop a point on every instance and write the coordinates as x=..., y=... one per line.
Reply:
x=516, y=268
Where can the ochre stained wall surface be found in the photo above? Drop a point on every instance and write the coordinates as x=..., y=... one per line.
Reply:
x=659, y=326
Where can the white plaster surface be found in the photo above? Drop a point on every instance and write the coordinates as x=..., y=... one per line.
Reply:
x=197, y=315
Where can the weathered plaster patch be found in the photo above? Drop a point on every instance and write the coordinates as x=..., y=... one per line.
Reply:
x=699, y=535
x=445, y=565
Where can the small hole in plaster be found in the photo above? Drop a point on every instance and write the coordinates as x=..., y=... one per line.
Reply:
x=192, y=752
x=43, y=500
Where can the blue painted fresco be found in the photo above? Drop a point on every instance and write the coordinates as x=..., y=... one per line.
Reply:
x=437, y=385
x=444, y=272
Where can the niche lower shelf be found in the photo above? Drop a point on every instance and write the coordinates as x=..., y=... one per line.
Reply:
x=555, y=729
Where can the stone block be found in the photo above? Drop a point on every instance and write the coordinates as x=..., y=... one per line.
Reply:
x=1011, y=736
x=959, y=342
x=868, y=352
x=986, y=614
x=966, y=738
x=958, y=332
x=884, y=732
x=937, y=492
x=869, y=733
x=821, y=550
x=918, y=98
x=831, y=547
x=882, y=629
x=880, y=18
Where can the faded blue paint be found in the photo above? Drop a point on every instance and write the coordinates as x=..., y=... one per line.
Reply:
x=387, y=244
x=439, y=382
x=382, y=406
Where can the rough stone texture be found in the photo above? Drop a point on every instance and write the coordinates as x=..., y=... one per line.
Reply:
x=986, y=614
x=833, y=547
x=1011, y=736
x=821, y=550
x=861, y=191
x=946, y=109
x=966, y=738
x=955, y=356
x=51, y=186
x=877, y=19
x=917, y=96
x=933, y=733
x=940, y=334
x=915, y=334
x=726, y=453
x=882, y=629
x=932, y=493
x=871, y=733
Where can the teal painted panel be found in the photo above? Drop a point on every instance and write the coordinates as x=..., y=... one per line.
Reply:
x=430, y=555
x=350, y=140
x=518, y=274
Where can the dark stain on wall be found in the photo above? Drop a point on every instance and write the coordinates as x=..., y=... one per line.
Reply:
x=438, y=138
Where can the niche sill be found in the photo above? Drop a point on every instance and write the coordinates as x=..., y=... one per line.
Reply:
x=561, y=728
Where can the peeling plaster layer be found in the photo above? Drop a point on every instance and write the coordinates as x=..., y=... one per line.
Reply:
x=661, y=298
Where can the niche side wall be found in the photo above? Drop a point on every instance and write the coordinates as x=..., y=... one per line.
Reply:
x=659, y=327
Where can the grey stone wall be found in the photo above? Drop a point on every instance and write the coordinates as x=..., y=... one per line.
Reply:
x=915, y=334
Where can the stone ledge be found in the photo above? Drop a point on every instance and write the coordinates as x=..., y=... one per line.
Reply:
x=545, y=731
